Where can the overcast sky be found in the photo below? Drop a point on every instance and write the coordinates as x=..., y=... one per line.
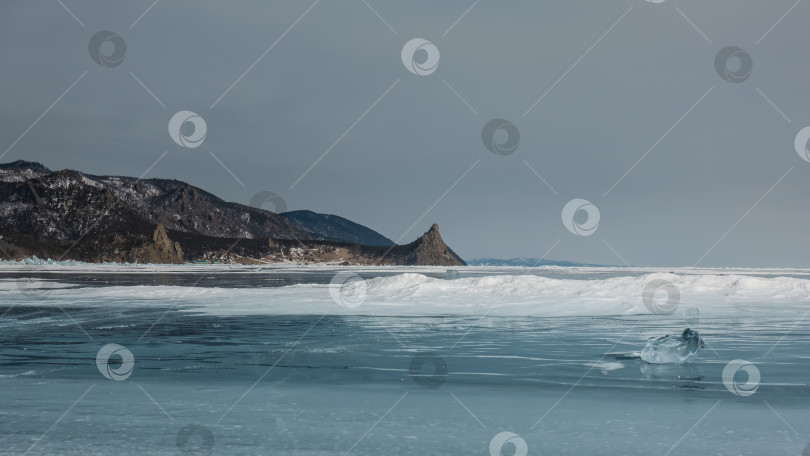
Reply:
x=633, y=116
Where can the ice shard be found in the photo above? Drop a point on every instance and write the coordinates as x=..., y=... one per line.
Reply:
x=671, y=349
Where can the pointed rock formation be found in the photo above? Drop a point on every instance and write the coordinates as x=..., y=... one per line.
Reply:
x=165, y=245
x=431, y=250
x=162, y=250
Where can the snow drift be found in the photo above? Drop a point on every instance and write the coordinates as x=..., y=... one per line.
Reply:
x=495, y=295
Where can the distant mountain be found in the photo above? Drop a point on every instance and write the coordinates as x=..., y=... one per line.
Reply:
x=335, y=228
x=71, y=215
x=526, y=262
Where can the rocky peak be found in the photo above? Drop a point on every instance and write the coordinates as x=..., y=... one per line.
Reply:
x=162, y=249
x=160, y=238
x=431, y=249
x=165, y=245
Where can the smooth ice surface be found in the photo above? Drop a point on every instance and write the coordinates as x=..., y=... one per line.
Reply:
x=322, y=383
x=673, y=349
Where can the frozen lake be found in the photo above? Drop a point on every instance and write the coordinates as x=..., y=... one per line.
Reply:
x=262, y=361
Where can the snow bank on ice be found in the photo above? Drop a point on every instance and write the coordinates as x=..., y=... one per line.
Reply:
x=417, y=294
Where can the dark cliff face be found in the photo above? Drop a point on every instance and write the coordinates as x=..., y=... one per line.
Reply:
x=71, y=215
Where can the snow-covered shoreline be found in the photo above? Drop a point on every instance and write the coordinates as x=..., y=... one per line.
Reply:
x=51, y=266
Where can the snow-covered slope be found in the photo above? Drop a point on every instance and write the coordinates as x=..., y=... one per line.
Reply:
x=65, y=205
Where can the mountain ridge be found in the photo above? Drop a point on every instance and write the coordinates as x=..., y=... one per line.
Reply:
x=332, y=227
x=123, y=219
